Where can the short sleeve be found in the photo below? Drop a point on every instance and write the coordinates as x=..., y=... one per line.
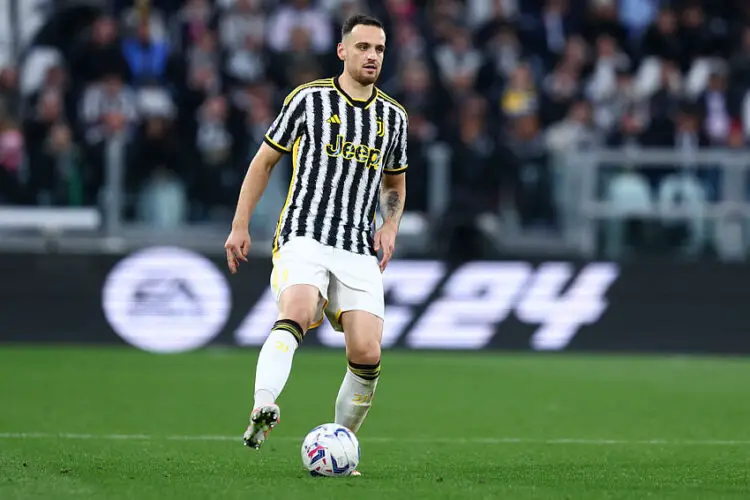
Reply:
x=398, y=163
x=288, y=125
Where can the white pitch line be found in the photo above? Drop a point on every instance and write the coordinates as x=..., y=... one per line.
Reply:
x=426, y=440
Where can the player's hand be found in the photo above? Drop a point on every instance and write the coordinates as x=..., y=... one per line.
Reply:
x=385, y=239
x=237, y=247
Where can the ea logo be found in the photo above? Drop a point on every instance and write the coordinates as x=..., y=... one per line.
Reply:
x=166, y=300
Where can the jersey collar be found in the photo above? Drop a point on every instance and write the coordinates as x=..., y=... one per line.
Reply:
x=358, y=103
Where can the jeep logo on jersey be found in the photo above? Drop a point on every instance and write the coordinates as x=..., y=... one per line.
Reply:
x=350, y=151
x=166, y=300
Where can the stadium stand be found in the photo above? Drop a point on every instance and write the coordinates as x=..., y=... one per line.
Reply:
x=508, y=94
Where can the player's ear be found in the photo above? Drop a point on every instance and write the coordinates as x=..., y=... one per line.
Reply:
x=341, y=51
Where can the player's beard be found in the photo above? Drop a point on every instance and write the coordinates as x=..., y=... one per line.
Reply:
x=363, y=77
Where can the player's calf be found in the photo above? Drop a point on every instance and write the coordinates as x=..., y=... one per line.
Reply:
x=296, y=310
x=363, y=332
x=356, y=394
x=275, y=361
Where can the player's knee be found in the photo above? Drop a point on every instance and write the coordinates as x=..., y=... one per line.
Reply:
x=302, y=312
x=364, y=361
x=367, y=354
x=299, y=304
x=300, y=315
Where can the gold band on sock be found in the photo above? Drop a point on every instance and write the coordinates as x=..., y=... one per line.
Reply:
x=291, y=326
x=367, y=372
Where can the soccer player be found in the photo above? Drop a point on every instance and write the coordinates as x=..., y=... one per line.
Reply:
x=348, y=145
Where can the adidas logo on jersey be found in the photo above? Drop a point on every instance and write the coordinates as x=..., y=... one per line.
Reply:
x=334, y=119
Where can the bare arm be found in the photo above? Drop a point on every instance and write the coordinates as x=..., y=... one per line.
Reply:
x=392, y=198
x=254, y=184
x=282, y=133
x=393, y=187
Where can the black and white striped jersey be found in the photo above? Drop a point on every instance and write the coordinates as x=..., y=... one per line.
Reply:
x=340, y=149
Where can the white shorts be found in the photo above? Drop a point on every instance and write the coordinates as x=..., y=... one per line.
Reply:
x=347, y=281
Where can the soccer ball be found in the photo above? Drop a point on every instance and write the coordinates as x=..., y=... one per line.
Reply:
x=330, y=450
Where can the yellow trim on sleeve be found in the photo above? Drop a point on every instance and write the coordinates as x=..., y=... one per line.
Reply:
x=396, y=170
x=276, y=144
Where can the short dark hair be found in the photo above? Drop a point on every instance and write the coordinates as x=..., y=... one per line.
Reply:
x=356, y=20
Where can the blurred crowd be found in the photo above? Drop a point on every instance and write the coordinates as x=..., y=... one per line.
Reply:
x=191, y=86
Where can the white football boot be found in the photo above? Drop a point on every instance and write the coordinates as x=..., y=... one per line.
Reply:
x=262, y=421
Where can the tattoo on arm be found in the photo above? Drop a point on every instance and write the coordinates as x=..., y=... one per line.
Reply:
x=392, y=206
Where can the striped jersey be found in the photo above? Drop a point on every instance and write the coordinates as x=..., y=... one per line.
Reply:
x=340, y=149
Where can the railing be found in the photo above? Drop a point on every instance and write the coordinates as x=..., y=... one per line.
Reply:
x=103, y=229
x=581, y=183
x=728, y=210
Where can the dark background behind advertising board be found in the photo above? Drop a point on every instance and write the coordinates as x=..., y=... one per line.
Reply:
x=652, y=306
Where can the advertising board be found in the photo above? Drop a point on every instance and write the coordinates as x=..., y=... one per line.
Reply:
x=167, y=300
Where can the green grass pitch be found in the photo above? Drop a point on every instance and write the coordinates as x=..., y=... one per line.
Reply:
x=117, y=423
